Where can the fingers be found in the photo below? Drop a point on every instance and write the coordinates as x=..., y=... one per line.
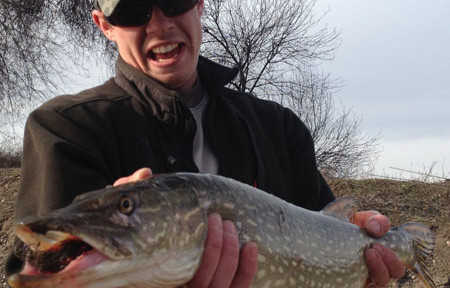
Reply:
x=377, y=270
x=211, y=254
x=229, y=259
x=248, y=266
x=138, y=175
x=224, y=264
x=383, y=264
x=376, y=224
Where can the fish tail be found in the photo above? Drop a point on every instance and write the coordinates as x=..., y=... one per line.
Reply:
x=423, y=242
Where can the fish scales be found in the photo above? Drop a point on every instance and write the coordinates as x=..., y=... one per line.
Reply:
x=157, y=239
x=298, y=248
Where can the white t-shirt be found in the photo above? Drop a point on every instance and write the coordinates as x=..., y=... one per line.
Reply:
x=204, y=158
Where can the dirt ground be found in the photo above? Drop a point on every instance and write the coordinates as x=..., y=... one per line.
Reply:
x=428, y=203
x=401, y=201
x=9, y=185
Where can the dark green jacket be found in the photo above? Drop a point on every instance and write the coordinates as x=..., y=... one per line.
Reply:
x=77, y=143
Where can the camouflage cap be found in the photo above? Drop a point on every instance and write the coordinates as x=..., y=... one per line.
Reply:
x=107, y=6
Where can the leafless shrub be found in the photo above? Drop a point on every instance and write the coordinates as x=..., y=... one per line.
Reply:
x=9, y=159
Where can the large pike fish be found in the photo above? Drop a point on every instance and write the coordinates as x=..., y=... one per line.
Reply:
x=152, y=233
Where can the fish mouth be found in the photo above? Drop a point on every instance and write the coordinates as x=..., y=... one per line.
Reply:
x=56, y=252
x=74, y=263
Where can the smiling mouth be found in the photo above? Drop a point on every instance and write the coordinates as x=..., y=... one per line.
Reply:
x=165, y=52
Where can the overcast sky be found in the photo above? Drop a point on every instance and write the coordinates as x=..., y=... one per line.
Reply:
x=394, y=61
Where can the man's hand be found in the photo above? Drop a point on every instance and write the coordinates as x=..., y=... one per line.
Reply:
x=138, y=175
x=383, y=264
x=224, y=263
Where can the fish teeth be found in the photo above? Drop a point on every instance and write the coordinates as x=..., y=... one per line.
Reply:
x=41, y=242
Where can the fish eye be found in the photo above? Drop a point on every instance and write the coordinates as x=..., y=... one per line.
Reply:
x=126, y=204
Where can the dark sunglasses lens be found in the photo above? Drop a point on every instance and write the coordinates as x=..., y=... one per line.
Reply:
x=176, y=7
x=138, y=12
x=131, y=13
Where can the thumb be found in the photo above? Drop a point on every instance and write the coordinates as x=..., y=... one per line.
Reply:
x=138, y=175
x=141, y=174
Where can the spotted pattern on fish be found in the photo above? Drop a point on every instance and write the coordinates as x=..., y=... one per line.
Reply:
x=160, y=243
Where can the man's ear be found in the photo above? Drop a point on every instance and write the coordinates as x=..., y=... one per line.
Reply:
x=201, y=7
x=99, y=19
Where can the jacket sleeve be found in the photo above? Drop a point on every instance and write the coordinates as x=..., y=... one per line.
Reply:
x=310, y=188
x=59, y=162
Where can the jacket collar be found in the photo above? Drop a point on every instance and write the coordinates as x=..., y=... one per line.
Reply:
x=212, y=75
x=165, y=102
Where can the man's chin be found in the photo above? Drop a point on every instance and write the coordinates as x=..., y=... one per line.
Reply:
x=174, y=78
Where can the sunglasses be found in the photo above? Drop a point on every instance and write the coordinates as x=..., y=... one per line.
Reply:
x=131, y=13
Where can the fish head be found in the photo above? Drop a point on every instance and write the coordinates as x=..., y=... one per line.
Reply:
x=143, y=226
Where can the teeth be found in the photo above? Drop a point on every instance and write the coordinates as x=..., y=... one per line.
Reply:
x=39, y=242
x=164, y=48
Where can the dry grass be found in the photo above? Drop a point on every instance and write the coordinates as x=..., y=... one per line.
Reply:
x=8, y=160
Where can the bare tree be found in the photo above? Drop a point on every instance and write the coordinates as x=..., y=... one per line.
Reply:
x=25, y=50
x=275, y=45
x=265, y=39
x=34, y=38
x=342, y=149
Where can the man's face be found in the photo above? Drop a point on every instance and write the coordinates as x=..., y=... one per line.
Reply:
x=166, y=48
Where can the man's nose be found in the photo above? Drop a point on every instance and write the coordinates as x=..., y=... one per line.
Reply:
x=159, y=21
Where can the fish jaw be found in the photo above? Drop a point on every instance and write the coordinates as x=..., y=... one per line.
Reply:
x=93, y=269
x=164, y=269
x=54, y=259
x=31, y=276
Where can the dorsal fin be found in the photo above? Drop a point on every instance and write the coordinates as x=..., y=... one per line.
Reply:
x=342, y=208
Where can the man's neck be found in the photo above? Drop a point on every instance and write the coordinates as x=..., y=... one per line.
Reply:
x=193, y=95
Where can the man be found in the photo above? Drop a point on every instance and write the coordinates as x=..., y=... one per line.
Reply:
x=167, y=109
